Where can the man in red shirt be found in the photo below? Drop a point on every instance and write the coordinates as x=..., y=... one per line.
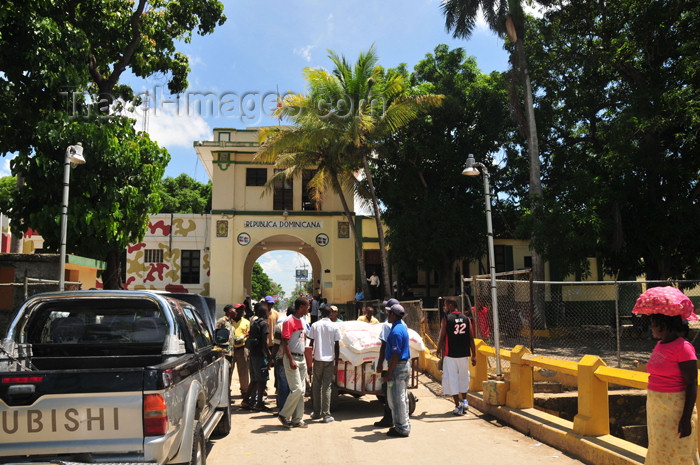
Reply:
x=293, y=347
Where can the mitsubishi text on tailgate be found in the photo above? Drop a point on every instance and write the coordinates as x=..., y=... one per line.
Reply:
x=111, y=376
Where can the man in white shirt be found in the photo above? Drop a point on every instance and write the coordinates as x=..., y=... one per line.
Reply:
x=374, y=284
x=325, y=339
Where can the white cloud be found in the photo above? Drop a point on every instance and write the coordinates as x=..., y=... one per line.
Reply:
x=304, y=52
x=271, y=266
x=280, y=266
x=173, y=127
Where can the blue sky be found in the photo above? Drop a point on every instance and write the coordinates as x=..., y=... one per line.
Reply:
x=265, y=45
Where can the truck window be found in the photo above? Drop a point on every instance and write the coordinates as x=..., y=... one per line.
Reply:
x=97, y=322
x=199, y=331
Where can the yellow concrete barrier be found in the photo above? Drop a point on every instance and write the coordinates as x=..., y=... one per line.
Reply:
x=593, y=417
x=521, y=393
x=479, y=373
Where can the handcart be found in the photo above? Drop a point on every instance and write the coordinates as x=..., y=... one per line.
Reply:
x=358, y=380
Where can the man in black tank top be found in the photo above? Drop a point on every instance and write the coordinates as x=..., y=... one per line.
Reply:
x=455, y=345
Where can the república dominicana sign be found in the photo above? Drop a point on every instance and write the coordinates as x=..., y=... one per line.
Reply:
x=292, y=224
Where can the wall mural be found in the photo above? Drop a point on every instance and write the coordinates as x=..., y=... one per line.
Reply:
x=180, y=230
x=166, y=274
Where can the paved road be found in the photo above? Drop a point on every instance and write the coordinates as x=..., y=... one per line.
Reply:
x=436, y=437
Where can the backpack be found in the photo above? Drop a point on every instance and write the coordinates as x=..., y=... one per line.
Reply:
x=253, y=341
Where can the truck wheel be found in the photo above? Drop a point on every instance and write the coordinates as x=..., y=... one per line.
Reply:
x=224, y=426
x=199, y=451
x=411, y=403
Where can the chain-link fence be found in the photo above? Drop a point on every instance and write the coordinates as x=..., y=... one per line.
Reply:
x=571, y=319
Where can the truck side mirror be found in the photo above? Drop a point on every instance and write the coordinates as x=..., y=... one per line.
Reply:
x=221, y=336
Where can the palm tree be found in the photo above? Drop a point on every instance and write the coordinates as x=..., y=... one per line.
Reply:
x=370, y=106
x=312, y=144
x=346, y=114
x=506, y=17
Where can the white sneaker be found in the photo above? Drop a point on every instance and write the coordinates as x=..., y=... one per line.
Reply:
x=458, y=411
x=465, y=405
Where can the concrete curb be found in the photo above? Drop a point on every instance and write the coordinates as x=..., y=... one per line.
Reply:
x=558, y=433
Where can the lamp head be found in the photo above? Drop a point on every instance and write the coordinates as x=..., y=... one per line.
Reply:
x=75, y=154
x=469, y=170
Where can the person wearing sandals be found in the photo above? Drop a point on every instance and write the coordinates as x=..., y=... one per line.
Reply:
x=293, y=346
x=259, y=359
x=325, y=340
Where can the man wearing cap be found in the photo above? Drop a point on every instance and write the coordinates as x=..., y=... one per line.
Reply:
x=399, y=372
x=383, y=335
x=334, y=313
x=293, y=347
x=238, y=328
x=272, y=318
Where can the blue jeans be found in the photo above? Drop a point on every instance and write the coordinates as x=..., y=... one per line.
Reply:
x=397, y=397
x=282, y=386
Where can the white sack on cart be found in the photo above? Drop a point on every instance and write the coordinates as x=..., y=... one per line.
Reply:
x=360, y=342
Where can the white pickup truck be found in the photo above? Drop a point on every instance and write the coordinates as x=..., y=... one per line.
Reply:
x=111, y=376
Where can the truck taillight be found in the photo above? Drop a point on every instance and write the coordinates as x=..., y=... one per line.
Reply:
x=22, y=379
x=155, y=415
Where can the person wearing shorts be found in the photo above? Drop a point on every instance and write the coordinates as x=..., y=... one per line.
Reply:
x=456, y=344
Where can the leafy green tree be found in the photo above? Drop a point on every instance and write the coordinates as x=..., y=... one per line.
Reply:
x=506, y=17
x=434, y=214
x=346, y=115
x=312, y=144
x=371, y=106
x=64, y=59
x=184, y=194
x=277, y=291
x=50, y=49
x=105, y=216
x=261, y=283
x=8, y=184
x=616, y=86
x=306, y=288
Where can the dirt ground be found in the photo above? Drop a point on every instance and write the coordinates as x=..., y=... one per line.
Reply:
x=437, y=436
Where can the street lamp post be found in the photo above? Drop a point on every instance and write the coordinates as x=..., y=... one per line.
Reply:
x=74, y=156
x=471, y=170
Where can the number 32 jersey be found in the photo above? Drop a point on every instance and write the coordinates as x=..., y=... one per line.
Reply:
x=457, y=341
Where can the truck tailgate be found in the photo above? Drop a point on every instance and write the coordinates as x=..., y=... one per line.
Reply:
x=71, y=412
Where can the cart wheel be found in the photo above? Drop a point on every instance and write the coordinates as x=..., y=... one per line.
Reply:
x=411, y=403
